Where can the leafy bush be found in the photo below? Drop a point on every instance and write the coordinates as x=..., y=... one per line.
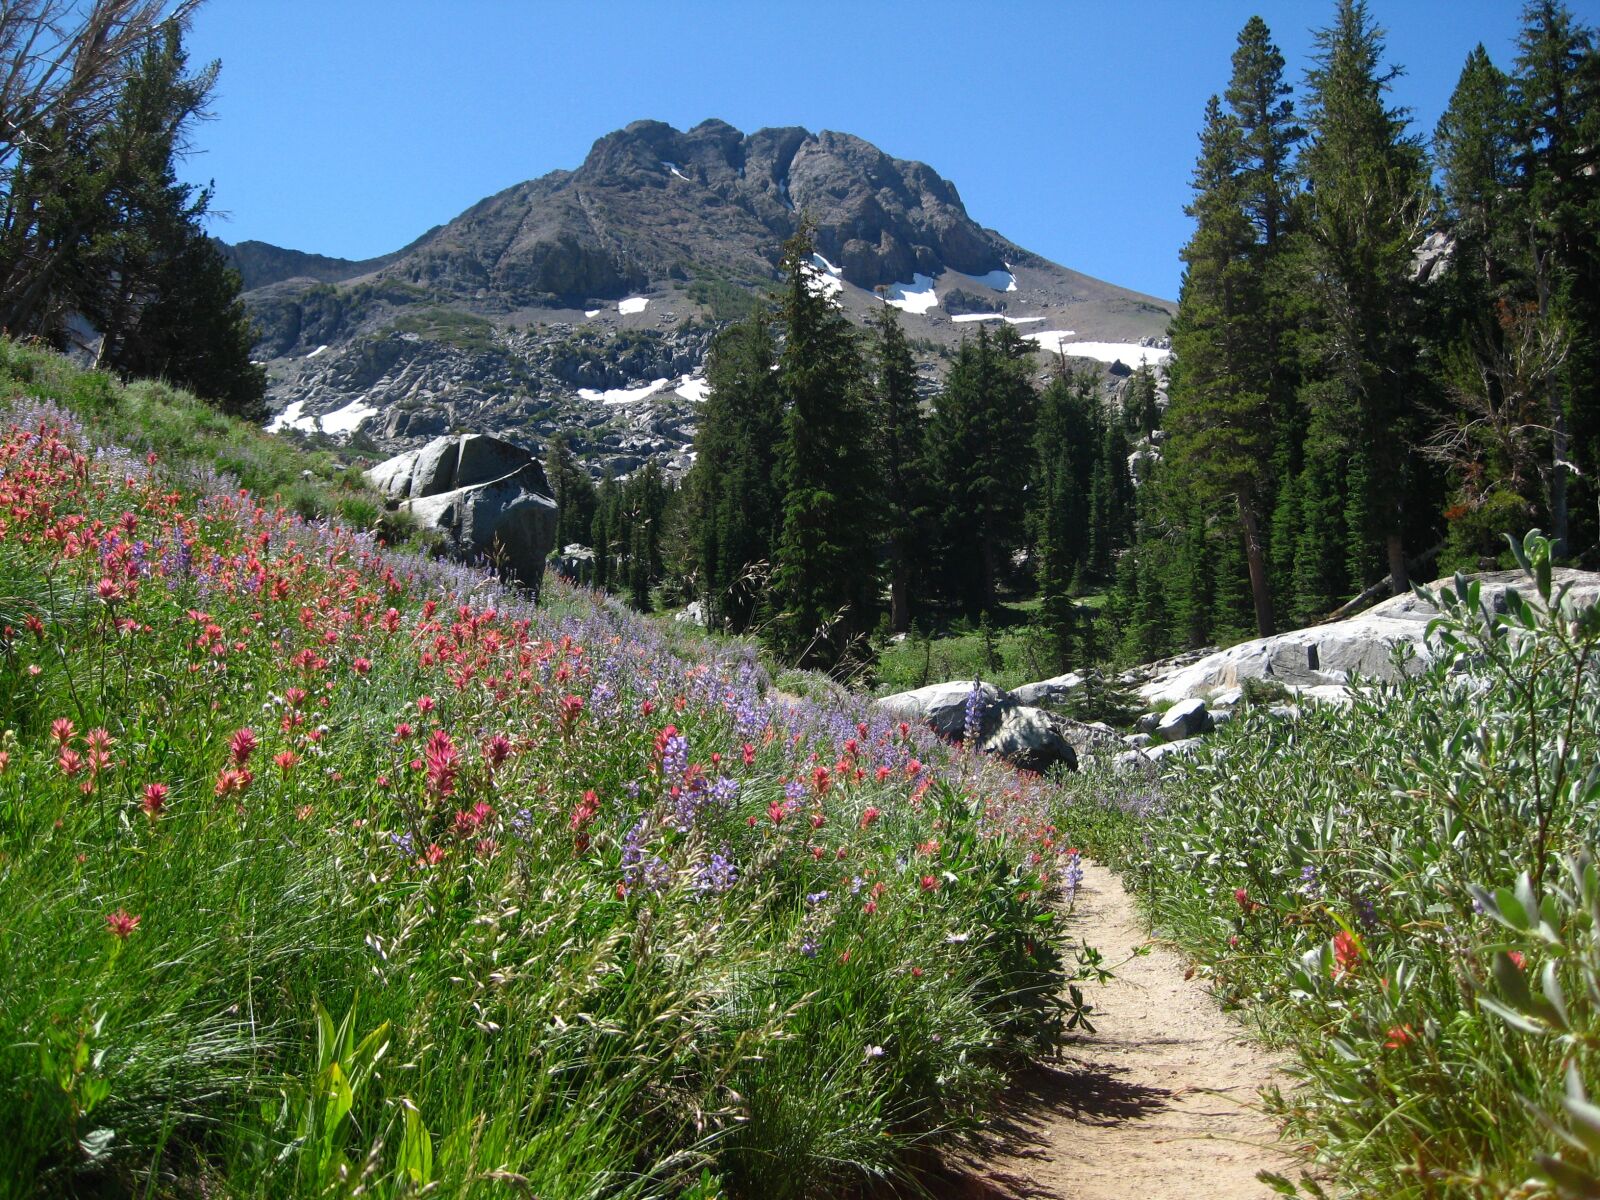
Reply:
x=1350, y=877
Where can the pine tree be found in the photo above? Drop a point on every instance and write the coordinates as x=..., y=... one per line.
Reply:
x=1141, y=410
x=96, y=222
x=1221, y=412
x=824, y=593
x=1065, y=449
x=573, y=491
x=603, y=532
x=1363, y=211
x=979, y=447
x=1557, y=85
x=897, y=418
x=732, y=489
x=1475, y=150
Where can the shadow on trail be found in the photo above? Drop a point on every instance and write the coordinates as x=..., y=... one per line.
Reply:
x=1048, y=1093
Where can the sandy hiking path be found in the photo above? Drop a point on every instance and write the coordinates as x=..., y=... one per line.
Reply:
x=1159, y=1104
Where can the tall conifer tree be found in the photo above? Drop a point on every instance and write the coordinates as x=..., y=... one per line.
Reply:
x=898, y=421
x=824, y=590
x=733, y=492
x=1221, y=413
x=1364, y=210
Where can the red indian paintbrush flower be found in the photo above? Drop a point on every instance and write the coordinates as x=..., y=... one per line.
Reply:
x=1346, y=954
x=154, y=802
x=442, y=760
x=241, y=746
x=121, y=923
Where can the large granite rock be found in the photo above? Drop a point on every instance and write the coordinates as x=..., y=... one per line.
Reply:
x=1320, y=661
x=1056, y=690
x=1185, y=719
x=1029, y=738
x=488, y=497
x=943, y=707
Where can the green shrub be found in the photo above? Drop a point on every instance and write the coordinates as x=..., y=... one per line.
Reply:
x=1341, y=877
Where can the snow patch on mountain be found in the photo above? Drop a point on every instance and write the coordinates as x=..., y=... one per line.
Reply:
x=917, y=296
x=673, y=167
x=997, y=281
x=692, y=389
x=624, y=395
x=1130, y=353
x=633, y=304
x=824, y=277
x=346, y=419
x=289, y=418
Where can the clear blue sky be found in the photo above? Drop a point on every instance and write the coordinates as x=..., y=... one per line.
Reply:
x=348, y=127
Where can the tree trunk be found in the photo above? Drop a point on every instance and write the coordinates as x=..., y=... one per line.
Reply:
x=1256, y=556
x=900, y=595
x=991, y=573
x=1558, y=479
x=1399, y=577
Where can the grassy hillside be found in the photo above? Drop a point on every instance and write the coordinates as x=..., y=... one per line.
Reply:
x=188, y=435
x=328, y=870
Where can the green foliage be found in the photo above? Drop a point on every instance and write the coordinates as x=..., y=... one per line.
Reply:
x=452, y=326
x=901, y=452
x=96, y=222
x=824, y=595
x=725, y=300
x=732, y=492
x=979, y=461
x=187, y=433
x=1358, y=878
x=573, y=491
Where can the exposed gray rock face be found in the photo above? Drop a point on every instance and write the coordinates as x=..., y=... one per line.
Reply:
x=1319, y=662
x=1185, y=719
x=575, y=562
x=1057, y=690
x=488, y=497
x=611, y=277
x=1029, y=738
x=943, y=707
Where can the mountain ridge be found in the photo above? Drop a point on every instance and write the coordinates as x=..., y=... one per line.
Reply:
x=554, y=301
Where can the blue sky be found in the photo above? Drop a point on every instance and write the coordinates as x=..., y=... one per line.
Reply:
x=348, y=127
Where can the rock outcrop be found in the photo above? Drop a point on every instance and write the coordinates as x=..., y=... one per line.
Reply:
x=488, y=497
x=1320, y=661
x=1030, y=738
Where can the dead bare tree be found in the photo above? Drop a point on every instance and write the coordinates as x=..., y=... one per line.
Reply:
x=1501, y=436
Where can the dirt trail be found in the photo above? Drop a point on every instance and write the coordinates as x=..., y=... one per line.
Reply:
x=1159, y=1104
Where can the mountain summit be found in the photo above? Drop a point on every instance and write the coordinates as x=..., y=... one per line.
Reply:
x=587, y=285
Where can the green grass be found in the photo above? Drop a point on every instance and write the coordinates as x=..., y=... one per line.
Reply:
x=185, y=433
x=465, y=330
x=1401, y=895
x=491, y=899
x=1013, y=653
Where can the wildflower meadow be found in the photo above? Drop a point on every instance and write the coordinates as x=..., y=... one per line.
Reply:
x=327, y=869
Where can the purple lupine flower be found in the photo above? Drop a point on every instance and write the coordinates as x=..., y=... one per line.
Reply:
x=974, y=714
x=717, y=874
